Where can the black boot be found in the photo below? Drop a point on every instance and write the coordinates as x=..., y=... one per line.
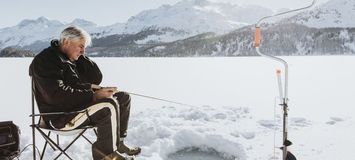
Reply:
x=117, y=156
x=122, y=148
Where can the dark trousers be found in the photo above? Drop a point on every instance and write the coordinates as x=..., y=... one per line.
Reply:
x=124, y=101
x=110, y=116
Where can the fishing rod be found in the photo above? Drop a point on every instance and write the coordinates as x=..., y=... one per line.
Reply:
x=286, y=155
x=160, y=99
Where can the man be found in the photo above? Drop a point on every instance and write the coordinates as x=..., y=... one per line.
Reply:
x=66, y=80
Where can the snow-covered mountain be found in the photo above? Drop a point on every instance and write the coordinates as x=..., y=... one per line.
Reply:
x=29, y=31
x=189, y=18
x=197, y=16
x=198, y=25
x=334, y=13
x=184, y=19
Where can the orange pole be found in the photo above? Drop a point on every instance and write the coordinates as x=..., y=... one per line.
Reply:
x=278, y=71
x=257, y=39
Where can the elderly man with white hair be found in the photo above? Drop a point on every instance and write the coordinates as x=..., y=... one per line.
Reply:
x=66, y=80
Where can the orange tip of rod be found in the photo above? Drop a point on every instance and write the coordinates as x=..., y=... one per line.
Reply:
x=257, y=37
x=278, y=71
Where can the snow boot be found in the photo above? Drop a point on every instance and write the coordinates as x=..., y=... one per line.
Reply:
x=117, y=156
x=122, y=148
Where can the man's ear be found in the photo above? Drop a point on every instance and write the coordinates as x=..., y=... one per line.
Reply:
x=65, y=42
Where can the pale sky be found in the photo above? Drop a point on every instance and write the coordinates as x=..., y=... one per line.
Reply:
x=106, y=12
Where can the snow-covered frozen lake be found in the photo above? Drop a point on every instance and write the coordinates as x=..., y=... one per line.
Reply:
x=235, y=115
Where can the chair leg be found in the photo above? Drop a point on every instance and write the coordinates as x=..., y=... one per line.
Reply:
x=45, y=146
x=95, y=131
x=46, y=138
x=56, y=146
x=87, y=139
x=33, y=140
x=44, y=135
x=61, y=150
x=71, y=143
x=44, y=149
x=51, y=142
x=57, y=139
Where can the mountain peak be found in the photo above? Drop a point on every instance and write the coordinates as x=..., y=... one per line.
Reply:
x=42, y=19
x=193, y=3
x=39, y=21
x=82, y=22
x=200, y=2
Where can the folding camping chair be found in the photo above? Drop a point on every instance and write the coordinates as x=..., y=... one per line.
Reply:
x=45, y=131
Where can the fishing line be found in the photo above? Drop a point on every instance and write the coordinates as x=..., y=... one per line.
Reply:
x=160, y=99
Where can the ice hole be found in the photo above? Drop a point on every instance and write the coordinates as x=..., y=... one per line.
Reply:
x=196, y=153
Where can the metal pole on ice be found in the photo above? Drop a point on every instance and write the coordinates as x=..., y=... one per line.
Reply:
x=286, y=155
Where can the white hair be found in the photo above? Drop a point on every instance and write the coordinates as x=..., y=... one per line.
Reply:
x=75, y=33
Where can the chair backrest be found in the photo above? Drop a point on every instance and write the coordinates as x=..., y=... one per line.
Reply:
x=42, y=124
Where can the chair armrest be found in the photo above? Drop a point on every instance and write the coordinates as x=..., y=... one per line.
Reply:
x=57, y=113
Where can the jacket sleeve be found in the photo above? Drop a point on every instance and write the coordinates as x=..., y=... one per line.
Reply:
x=89, y=70
x=48, y=78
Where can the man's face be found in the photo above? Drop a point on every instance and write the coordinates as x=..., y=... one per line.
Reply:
x=74, y=48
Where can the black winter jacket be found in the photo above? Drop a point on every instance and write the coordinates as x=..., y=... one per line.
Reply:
x=62, y=85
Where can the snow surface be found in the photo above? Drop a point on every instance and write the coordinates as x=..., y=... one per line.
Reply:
x=235, y=111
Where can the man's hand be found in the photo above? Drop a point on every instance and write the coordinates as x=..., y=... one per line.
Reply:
x=112, y=89
x=102, y=93
x=95, y=87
